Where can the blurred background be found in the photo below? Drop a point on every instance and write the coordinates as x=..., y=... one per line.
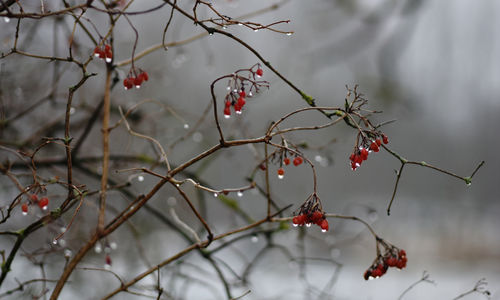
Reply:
x=433, y=66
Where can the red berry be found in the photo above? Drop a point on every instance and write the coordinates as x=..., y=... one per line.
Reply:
x=317, y=217
x=358, y=159
x=227, y=103
x=243, y=94
x=227, y=111
x=281, y=172
x=108, y=260
x=241, y=101
x=43, y=203
x=237, y=108
x=297, y=161
x=259, y=71
x=379, y=142
x=24, y=208
x=97, y=50
x=107, y=48
x=400, y=264
x=402, y=253
x=102, y=55
x=376, y=273
x=138, y=82
x=262, y=166
x=352, y=157
x=324, y=225
x=364, y=153
x=385, y=139
x=143, y=76
x=354, y=166
x=367, y=274
x=34, y=197
x=286, y=161
x=128, y=83
x=374, y=147
x=391, y=261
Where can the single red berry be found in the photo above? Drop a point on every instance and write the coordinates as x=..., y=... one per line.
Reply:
x=296, y=220
x=286, y=161
x=128, y=83
x=24, y=208
x=382, y=268
x=143, y=76
x=243, y=94
x=400, y=264
x=376, y=273
x=364, y=153
x=102, y=55
x=358, y=159
x=352, y=157
x=281, y=172
x=227, y=112
x=241, y=101
x=43, y=203
x=262, y=166
x=402, y=253
x=385, y=139
x=378, y=141
x=137, y=81
x=297, y=161
x=34, y=197
x=259, y=72
x=391, y=261
x=107, y=48
x=97, y=50
x=237, y=108
x=354, y=166
x=324, y=225
x=374, y=147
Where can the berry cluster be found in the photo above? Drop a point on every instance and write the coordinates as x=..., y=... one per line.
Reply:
x=43, y=203
x=360, y=153
x=393, y=257
x=298, y=160
x=135, y=78
x=310, y=213
x=240, y=87
x=104, y=52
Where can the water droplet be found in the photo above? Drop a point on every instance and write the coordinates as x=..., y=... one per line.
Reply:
x=239, y=194
x=67, y=253
x=197, y=137
x=250, y=94
x=107, y=249
x=177, y=185
x=140, y=178
x=373, y=216
x=371, y=278
x=45, y=207
x=24, y=213
x=171, y=201
x=108, y=59
x=228, y=88
x=54, y=241
x=281, y=176
x=227, y=116
x=289, y=33
x=323, y=230
x=238, y=112
x=216, y=195
x=240, y=24
x=224, y=27
x=186, y=126
x=254, y=239
x=295, y=225
x=98, y=248
x=62, y=229
x=113, y=245
x=211, y=33
x=137, y=86
x=308, y=224
x=318, y=158
x=97, y=55
x=255, y=30
x=469, y=183
x=72, y=110
x=107, y=267
x=235, y=90
x=62, y=243
x=6, y=19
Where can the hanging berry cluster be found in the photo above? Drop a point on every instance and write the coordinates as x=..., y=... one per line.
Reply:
x=135, y=78
x=311, y=212
x=42, y=203
x=367, y=146
x=240, y=87
x=392, y=257
x=104, y=52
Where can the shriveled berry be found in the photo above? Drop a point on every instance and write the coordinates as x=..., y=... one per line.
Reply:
x=108, y=260
x=286, y=161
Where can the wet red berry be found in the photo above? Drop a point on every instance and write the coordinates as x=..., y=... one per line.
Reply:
x=242, y=93
x=286, y=161
x=281, y=172
x=241, y=101
x=34, y=197
x=227, y=111
x=324, y=225
x=43, y=203
x=259, y=72
x=364, y=153
x=297, y=161
x=24, y=208
x=385, y=139
x=367, y=274
x=374, y=147
x=379, y=142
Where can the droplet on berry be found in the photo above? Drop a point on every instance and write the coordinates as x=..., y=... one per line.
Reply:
x=324, y=225
x=34, y=197
x=259, y=72
x=281, y=173
x=216, y=195
x=24, y=209
x=286, y=161
x=43, y=203
x=239, y=194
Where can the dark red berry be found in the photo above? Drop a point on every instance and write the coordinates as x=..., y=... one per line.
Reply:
x=137, y=81
x=34, y=197
x=367, y=274
x=286, y=161
x=108, y=260
x=385, y=139
x=364, y=153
